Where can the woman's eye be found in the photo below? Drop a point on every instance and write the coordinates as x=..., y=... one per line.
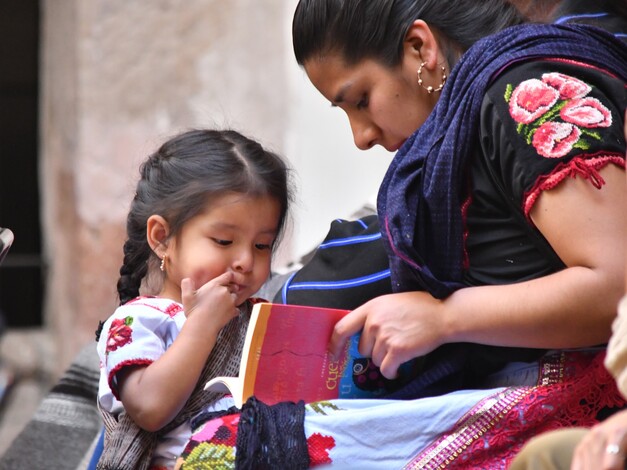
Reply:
x=222, y=242
x=263, y=246
x=363, y=102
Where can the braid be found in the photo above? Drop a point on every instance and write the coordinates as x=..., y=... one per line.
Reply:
x=134, y=269
x=137, y=252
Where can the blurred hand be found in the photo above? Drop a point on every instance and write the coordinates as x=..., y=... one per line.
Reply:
x=603, y=448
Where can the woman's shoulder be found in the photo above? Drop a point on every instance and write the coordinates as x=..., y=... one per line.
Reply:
x=580, y=105
x=543, y=120
x=559, y=78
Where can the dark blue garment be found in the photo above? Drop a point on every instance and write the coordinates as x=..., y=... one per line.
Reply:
x=420, y=198
x=349, y=268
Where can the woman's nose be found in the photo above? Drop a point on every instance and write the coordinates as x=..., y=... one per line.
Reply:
x=365, y=133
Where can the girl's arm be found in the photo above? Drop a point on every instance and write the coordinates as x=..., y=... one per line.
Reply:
x=571, y=308
x=153, y=395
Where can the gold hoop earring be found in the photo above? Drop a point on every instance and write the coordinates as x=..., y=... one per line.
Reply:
x=430, y=89
x=162, y=265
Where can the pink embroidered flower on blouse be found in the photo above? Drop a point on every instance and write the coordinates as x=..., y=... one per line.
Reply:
x=586, y=112
x=554, y=113
x=567, y=86
x=531, y=99
x=119, y=333
x=173, y=309
x=555, y=139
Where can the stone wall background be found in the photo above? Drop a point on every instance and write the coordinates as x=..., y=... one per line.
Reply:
x=118, y=78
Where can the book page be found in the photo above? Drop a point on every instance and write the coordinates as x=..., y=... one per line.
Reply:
x=229, y=386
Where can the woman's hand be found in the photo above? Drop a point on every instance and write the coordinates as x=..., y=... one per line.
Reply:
x=603, y=448
x=395, y=328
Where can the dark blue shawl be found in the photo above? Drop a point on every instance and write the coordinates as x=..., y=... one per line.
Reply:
x=419, y=202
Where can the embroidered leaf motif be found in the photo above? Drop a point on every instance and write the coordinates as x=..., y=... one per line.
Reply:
x=594, y=135
x=320, y=406
x=210, y=456
x=582, y=145
x=508, y=92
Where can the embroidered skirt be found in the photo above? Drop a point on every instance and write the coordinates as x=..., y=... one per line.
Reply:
x=466, y=429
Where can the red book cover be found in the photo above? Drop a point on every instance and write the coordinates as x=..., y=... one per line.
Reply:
x=289, y=356
x=285, y=358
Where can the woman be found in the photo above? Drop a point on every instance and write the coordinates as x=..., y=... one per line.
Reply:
x=500, y=221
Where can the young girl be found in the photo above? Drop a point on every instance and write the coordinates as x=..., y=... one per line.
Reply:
x=206, y=216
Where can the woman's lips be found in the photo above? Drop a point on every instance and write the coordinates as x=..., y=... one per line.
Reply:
x=394, y=148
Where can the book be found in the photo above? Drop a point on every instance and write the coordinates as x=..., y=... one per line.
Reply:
x=285, y=358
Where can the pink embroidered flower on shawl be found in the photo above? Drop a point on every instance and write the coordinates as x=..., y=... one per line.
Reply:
x=120, y=333
x=531, y=100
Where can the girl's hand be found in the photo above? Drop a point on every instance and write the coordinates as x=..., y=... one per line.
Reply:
x=212, y=303
x=154, y=394
x=604, y=447
x=395, y=328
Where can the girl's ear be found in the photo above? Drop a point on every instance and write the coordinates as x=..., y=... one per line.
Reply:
x=420, y=45
x=157, y=232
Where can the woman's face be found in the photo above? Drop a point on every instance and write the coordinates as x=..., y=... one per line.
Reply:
x=384, y=105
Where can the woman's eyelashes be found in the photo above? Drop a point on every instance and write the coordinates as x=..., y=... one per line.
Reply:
x=363, y=102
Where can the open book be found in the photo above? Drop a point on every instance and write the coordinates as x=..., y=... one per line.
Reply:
x=285, y=358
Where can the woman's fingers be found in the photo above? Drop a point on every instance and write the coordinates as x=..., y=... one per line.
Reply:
x=614, y=450
x=604, y=447
x=351, y=324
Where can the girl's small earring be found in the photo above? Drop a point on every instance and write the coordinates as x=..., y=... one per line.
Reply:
x=430, y=89
x=162, y=265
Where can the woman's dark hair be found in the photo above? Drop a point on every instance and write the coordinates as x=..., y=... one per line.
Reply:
x=613, y=13
x=179, y=179
x=541, y=11
x=375, y=29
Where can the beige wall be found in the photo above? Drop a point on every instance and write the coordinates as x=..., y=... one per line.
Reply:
x=120, y=76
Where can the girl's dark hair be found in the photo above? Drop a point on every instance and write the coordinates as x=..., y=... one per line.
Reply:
x=179, y=179
x=375, y=29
